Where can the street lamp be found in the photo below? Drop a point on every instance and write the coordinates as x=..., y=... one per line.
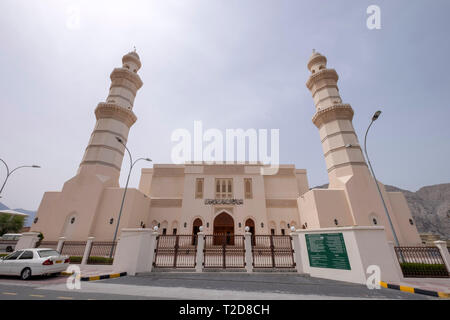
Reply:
x=374, y=118
x=8, y=173
x=125, y=191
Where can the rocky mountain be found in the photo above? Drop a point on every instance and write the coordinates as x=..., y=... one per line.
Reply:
x=430, y=207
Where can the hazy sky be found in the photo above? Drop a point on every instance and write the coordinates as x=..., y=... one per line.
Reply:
x=231, y=64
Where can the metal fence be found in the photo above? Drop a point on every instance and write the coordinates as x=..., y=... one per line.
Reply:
x=47, y=244
x=7, y=245
x=421, y=262
x=176, y=251
x=101, y=251
x=74, y=249
x=272, y=251
x=224, y=251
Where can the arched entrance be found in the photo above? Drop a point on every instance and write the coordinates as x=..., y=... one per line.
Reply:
x=251, y=225
x=196, y=229
x=224, y=225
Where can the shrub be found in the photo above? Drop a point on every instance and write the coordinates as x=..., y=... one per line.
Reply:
x=100, y=260
x=75, y=259
x=423, y=268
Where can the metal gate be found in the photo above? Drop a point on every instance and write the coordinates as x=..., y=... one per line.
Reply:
x=74, y=249
x=271, y=251
x=176, y=251
x=224, y=251
x=421, y=262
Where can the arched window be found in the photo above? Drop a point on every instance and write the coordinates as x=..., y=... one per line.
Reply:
x=248, y=188
x=199, y=188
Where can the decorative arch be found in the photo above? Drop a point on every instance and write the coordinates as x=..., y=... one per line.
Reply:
x=224, y=225
x=196, y=224
x=283, y=227
x=272, y=226
x=221, y=210
x=164, y=226
x=293, y=224
x=175, y=227
x=251, y=223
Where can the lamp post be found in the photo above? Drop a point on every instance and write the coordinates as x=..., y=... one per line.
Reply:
x=125, y=191
x=9, y=173
x=374, y=118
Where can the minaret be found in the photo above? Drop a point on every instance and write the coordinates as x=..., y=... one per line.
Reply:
x=343, y=154
x=104, y=154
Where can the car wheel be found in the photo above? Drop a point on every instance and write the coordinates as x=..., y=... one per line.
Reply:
x=25, y=274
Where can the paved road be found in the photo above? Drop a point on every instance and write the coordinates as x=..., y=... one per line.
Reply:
x=229, y=286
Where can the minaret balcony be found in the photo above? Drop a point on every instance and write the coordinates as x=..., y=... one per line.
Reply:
x=334, y=112
x=114, y=111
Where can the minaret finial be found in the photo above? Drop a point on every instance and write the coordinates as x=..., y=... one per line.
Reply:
x=134, y=47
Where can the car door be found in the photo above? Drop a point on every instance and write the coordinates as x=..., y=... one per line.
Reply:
x=23, y=261
x=8, y=262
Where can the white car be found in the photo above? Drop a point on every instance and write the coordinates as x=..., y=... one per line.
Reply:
x=32, y=262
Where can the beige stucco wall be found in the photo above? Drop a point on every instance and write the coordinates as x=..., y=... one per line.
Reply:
x=172, y=189
x=402, y=213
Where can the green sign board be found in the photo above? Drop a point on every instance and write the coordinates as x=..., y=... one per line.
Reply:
x=327, y=250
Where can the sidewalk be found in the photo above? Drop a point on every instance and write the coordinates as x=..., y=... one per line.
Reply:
x=437, y=284
x=94, y=270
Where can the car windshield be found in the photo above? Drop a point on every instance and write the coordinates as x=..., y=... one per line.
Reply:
x=47, y=253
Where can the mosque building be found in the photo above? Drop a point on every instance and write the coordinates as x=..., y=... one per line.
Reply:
x=223, y=198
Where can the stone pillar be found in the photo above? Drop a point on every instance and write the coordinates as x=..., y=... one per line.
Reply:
x=27, y=240
x=442, y=246
x=87, y=250
x=135, y=251
x=200, y=254
x=60, y=244
x=297, y=252
x=248, y=252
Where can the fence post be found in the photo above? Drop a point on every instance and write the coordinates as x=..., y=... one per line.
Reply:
x=152, y=247
x=297, y=255
x=442, y=246
x=248, y=252
x=87, y=250
x=200, y=254
x=60, y=244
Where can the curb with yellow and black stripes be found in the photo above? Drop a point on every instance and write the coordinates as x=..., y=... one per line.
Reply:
x=100, y=277
x=436, y=294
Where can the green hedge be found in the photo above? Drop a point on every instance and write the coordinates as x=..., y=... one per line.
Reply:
x=75, y=259
x=92, y=260
x=100, y=260
x=3, y=254
x=426, y=269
